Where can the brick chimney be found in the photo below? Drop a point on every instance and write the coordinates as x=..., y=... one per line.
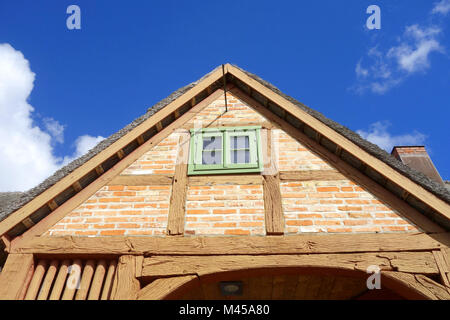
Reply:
x=417, y=158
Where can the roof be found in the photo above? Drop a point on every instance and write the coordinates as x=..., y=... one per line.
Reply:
x=12, y=203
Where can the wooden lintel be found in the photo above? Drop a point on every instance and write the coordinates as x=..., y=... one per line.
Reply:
x=310, y=175
x=263, y=124
x=254, y=245
x=141, y=180
x=228, y=179
x=169, y=266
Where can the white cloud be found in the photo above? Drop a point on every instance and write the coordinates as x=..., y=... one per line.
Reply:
x=379, y=135
x=82, y=145
x=442, y=7
x=55, y=129
x=385, y=69
x=26, y=152
x=415, y=57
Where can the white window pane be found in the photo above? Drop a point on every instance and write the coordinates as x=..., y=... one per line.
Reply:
x=212, y=143
x=239, y=142
x=212, y=157
x=240, y=156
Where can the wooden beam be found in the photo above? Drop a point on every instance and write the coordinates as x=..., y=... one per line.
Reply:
x=175, y=223
x=97, y=281
x=140, y=139
x=90, y=165
x=163, y=288
x=269, y=152
x=6, y=242
x=14, y=275
x=414, y=286
x=141, y=180
x=121, y=154
x=169, y=266
x=310, y=175
x=444, y=271
x=36, y=281
x=52, y=205
x=77, y=186
x=107, y=287
x=159, y=126
x=214, y=124
x=227, y=179
x=48, y=280
x=376, y=164
x=355, y=175
x=274, y=217
x=86, y=278
x=60, y=281
x=99, y=169
x=292, y=244
x=127, y=284
x=105, y=178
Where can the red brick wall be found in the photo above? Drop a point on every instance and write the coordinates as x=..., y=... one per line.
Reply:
x=231, y=209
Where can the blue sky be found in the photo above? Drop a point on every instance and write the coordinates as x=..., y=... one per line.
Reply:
x=391, y=85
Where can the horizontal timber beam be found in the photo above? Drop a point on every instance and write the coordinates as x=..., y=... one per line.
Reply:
x=309, y=175
x=238, y=245
x=225, y=179
x=141, y=180
x=169, y=266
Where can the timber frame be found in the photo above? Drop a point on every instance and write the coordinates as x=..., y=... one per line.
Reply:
x=414, y=264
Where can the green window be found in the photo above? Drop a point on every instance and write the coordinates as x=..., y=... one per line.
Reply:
x=225, y=150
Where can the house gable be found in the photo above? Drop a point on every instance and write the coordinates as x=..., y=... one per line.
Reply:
x=315, y=196
x=148, y=132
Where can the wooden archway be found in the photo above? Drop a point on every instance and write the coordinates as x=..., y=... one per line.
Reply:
x=405, y=285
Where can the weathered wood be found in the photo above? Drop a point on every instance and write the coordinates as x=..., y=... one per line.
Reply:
x=43, y=225
x=48, y=280
x=352, y=173
x=35, y=283
x=85, y=282
x=263, y=124
x=107, y=287
x=6, y=242
x=443, y=268
x=141, y=180
x=393, y=175
x=162, y=288
x=274, y=217
x=310, y=175
x=413, y=287
x=175, y=223
x=139, y=264
x=127, y=284
x=14, y=275
x=412, y=262
x=73, y=280
x=227, y=179
x=269, y=153
x=292, y=244
x=60, y=280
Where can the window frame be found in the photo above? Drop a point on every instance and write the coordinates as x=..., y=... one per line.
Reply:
x=196, y=151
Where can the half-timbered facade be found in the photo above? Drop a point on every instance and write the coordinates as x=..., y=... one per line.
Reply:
x=228, y=184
